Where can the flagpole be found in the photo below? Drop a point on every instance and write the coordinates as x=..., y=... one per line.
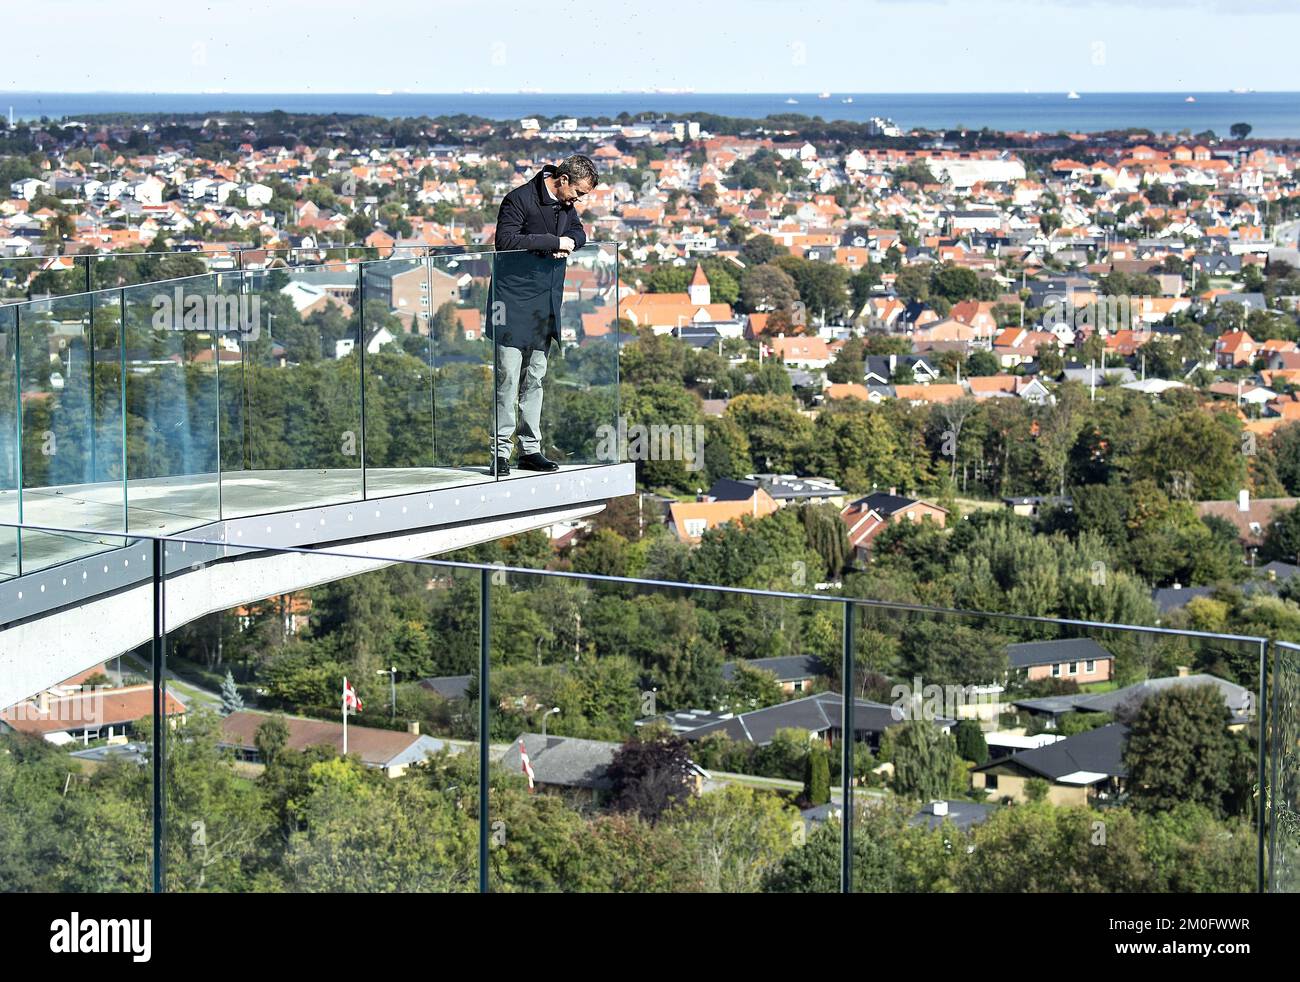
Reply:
x=345, y=716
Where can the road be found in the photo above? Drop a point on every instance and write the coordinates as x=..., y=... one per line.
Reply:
x=187, y=692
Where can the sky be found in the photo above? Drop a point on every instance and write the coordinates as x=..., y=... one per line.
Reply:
x=602, y=46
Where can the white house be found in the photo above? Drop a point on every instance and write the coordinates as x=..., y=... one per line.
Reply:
x=27, y=188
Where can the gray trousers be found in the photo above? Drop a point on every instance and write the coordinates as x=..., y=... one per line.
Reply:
x=510, y=362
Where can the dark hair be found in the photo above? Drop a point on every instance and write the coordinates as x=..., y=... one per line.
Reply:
x=578, y=168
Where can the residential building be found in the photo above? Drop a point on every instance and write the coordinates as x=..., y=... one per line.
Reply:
x=794, y=673
x=93, y=714
x=1080, y=770
x=868, y=515
x=392, y=751
x=689, y=520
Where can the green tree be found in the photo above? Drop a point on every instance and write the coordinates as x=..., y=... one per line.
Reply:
x=735, y=836
x=231, y=700
x=1282, y=537
x=753, y=688
x=778, y=434
x=970, y=742
x=817, y=777
x=761, y=249
x=924, y=758
x=1179, y=749
x=1195, y=455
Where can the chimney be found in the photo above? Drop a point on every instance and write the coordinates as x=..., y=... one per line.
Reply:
x=893, y=492
x=939, y=807
x=413, y=727
x=1184, y=671
x=1243, y=500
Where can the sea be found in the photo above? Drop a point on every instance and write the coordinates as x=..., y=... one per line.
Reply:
x=1272, y=115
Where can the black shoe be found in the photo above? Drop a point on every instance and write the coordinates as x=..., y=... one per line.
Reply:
x=500, y=467
x=536, y=462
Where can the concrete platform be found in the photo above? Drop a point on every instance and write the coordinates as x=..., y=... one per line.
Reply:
x=91, y=596
x=170, y=505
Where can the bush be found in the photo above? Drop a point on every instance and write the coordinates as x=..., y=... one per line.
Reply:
x=817, y=779
x=970, y=742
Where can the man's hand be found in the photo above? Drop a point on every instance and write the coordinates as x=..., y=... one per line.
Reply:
x=566, y=244
x=559, y=255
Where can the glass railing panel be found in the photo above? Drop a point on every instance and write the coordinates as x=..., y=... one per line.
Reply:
x=1282, y=771
x=114, y=270
x=24, y=276
x=662, y=755
x=71, y=426
x=10, y=478
x=76, y=727
x=15, y=272
x=261, y=794
x=172, y=348
x=1039, y=756
x=428, y=379
x=678, y=737
x=462, y=360
x=291, y=391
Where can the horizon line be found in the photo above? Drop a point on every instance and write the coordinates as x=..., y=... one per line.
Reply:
x=642, y=92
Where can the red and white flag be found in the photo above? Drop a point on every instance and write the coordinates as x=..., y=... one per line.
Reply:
x=350, y=700
x=526, y=763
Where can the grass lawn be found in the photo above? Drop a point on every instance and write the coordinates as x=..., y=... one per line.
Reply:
x=968, y=505
x=1094, y=687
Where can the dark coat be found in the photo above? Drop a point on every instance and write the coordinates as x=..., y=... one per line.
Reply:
x=528, y=286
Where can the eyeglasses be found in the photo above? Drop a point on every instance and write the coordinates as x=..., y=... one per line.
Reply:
x=577, y=189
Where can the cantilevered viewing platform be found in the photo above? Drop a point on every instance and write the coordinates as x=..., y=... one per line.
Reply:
x=356, y=413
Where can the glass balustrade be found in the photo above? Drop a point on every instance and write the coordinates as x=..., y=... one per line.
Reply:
x=525, y=730
x=255, y=386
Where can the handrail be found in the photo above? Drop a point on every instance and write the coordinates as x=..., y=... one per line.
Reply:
x=889, y=605
x=356, y=260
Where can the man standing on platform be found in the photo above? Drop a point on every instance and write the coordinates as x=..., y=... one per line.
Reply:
x=537, y=228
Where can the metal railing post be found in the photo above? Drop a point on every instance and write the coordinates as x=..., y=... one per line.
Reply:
x=432, y=360
x=484, y=652
x=18, y=429
x=361, y=368
x=1275, y=748
x=121, y=371
x=90, y=351
x=846, y=752
x=1264, y=788
x=159, y=717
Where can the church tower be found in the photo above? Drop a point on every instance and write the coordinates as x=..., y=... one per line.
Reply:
x=699, y=288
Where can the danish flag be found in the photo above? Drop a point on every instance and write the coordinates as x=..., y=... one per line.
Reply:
x=350, y=700
x=526, y=764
